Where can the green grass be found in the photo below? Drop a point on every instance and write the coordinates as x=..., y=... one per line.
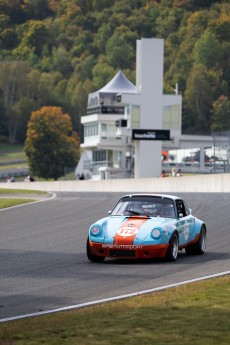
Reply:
x=20, y=191
x=13, y=166
x=9, y=153
x=9, y=202
x=193, y=314
x=5, y=202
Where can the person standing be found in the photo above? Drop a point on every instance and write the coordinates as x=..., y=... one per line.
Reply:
x=173, y=172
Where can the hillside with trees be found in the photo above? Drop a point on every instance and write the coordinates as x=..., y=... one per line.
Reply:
x=55, y=52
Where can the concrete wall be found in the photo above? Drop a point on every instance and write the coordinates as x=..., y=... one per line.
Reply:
x=197, y=183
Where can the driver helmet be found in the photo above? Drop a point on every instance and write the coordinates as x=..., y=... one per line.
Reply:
x=167, y=210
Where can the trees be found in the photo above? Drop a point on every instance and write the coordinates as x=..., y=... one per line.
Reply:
x=23, y=90
x=120, y=50
x=33, y=36
x=75, y=47
x=220, y=120
x=198, y=97
x=207, y=50
x=13, y=85
x=51, y=145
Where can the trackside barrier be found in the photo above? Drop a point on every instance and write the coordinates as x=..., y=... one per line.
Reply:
x=198, y=183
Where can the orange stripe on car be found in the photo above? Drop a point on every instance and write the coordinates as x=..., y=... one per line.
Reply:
x=128, y=231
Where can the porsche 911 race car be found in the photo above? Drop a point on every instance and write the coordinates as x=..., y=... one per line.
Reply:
x=146, y=226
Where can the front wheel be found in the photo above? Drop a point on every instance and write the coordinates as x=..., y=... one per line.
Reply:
x=93, y=257
x=199, y=247
x=172, y=252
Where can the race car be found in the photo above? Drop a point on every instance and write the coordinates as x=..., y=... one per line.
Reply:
x=146, y=226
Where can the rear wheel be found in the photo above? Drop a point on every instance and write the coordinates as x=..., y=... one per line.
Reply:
x=93, y=257
x=199, y=247
x=172, y=252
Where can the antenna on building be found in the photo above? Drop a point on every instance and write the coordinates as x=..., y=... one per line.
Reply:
x=176, y=89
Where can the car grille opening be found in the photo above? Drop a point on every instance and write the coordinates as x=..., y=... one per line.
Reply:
x=122, y=253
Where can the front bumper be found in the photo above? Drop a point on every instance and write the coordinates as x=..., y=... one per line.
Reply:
x=128, y=251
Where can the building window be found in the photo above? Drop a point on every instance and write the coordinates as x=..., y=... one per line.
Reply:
x=99, y=155
x=171, y=117
x=117, y=156
x=135, y=116
x=108, y=131
x=104, y=127
x=91, y=129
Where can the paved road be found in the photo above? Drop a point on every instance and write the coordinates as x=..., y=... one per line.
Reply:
x=43, y=264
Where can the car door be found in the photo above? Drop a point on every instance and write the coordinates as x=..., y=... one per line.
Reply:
x=185, y=222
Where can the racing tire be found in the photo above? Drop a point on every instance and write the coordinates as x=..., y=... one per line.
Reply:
x=199, y=247
x=172, y=251
x=93, y=257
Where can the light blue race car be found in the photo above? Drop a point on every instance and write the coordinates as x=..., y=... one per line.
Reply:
x=146, y=226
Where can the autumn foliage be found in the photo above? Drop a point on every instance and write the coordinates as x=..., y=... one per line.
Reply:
x=56, y=52
x=51, y=145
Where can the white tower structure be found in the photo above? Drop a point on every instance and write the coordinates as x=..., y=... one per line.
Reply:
x=149, y=99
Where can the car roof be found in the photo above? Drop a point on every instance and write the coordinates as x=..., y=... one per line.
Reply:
x=173, y=197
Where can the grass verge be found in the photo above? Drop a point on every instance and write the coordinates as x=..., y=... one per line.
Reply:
x=14, y=201
x=4, y=203
x=193, y=314
x=20, y=191
x=13, y=166
x=10, y=152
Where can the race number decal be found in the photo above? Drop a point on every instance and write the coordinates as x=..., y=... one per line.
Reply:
x=128, y=231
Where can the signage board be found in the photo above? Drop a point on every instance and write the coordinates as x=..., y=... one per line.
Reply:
x=150, y=134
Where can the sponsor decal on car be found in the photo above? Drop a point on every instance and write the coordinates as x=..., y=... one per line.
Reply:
x=186, y=231
x=168, y=228
x=128, y=230
x=122, y=246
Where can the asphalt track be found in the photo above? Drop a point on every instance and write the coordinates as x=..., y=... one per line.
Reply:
x=43, y=263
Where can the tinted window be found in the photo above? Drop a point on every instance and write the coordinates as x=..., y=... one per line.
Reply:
x=145, y=205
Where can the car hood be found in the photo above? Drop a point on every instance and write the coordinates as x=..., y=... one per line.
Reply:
x=128, y=229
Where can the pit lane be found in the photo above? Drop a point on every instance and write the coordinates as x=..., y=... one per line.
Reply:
x=44, y=264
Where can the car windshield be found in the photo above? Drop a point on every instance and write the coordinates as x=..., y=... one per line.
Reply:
x=151, y=206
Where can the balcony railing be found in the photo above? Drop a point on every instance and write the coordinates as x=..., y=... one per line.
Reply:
x=106, y=109
x=94, y=166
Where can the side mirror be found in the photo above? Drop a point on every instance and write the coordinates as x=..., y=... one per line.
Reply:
x=181, y=215
x=109, y=212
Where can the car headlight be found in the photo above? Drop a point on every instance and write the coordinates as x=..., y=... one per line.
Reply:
x=156, y=233
x=95, y=230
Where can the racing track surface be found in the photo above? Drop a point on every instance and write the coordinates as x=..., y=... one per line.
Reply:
x=43, y=264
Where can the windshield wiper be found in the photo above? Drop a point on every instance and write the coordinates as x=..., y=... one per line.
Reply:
x=135, y=213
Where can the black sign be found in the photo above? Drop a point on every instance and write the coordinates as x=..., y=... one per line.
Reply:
x=106, y=110
x=151, y=134
x=121, y=123
x=112, y=109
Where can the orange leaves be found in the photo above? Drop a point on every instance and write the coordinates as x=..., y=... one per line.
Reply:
x=51, y=144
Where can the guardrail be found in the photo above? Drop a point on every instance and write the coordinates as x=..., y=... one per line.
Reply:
x=198, y=183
